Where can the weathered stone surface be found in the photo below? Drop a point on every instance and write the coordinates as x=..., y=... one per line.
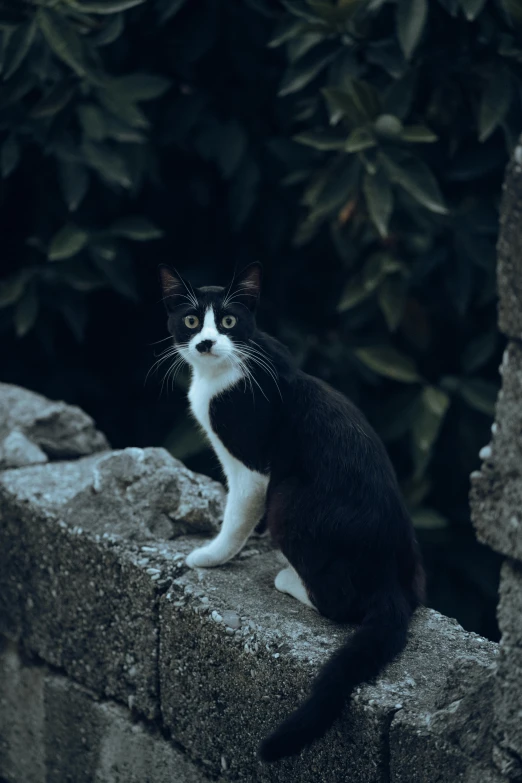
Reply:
x=510, y=604
x=59, y=430
x=82, y=604
x=22, y=747
x=508, y=697
x=232, y=682
x=17, y=451
x=91, y=742
x=509, y=268
x=450, y=739
x=54, y=731
x=146, y=492
x=72, y=580
x=496, y=491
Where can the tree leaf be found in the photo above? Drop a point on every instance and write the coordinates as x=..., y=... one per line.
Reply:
x=379, y=200
x=411, y=19
x=479, y=394
x=140, y=86
x=308, y=68
x=301, y=10
x=479, y=351
x=433, y=404
x=110, y=32
x=65, y=43
x=169, y=8
x=358, y=102
x=92, y=121
x=428, y=519
x=109, y=164
x=415, y=177
x=55, y=100
x=337, y=187
x=105, y=7
x=26, y=312
x=67, y=242
x=495, y=102
x=135, y=227
x=360, y=139
x=9, y=156
x=75, y=314
x=286, y=29
x=18, y=46
x=322, y=139
x=12, y=288
x=354, y=293
x=74, y=182
x=117, y=266
x=392, y=298
x=388, y=361
x=472, y=8
x=122, y=107
x=418, y=134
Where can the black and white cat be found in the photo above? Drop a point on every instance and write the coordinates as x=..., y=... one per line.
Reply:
x=299, y=453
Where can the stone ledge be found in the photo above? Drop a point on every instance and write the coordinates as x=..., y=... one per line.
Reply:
x=216, y=657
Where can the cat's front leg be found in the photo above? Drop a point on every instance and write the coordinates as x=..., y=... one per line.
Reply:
x=245, y=507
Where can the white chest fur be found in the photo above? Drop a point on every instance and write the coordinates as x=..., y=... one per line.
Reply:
x=202, y=390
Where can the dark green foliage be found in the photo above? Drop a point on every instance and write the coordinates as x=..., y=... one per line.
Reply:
x=356, y=147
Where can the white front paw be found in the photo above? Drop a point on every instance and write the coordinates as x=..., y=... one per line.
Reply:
x=203, y=557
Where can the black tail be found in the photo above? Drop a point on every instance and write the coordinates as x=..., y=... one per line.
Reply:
x=380, y=638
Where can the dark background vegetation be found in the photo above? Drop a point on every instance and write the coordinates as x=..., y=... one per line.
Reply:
x=355, y=147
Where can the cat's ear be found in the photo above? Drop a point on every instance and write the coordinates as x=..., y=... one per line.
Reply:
x=172, y=285
x=246, y=286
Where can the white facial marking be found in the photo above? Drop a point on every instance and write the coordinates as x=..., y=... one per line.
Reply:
x=217, y=360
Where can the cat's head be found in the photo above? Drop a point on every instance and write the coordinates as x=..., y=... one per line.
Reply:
x=211, y=326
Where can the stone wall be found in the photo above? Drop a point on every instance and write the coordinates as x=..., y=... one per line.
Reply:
x=496, y=495
x=120, y=664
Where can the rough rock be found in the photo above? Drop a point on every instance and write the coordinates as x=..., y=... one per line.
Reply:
x=450, y=739
x=146, y=492
x=496, y=490
x=508, y=701
x=58, y=430
x=17, y=451
x=509, y=267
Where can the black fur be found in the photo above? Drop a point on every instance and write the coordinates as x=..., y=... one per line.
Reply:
x=333, y=507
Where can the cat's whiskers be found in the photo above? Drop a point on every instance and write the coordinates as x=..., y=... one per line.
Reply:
x=163, y=358
x=263, y=361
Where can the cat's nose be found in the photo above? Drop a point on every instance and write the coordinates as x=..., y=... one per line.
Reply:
x=205, y=346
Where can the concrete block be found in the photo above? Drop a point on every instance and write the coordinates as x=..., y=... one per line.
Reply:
x=22, y=721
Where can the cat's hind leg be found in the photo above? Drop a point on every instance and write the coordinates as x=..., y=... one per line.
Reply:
x=289, y=581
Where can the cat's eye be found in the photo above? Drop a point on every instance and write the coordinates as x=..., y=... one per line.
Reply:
x=191, y=321
x=229, y=321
